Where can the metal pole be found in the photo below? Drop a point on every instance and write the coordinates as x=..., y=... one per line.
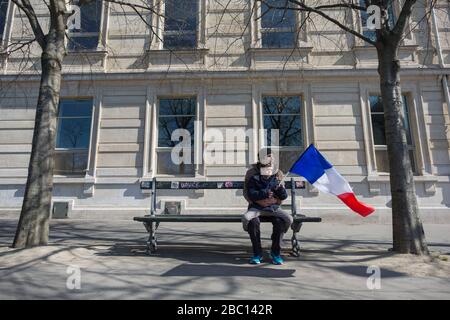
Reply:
x=153, y=199
x=293, y=202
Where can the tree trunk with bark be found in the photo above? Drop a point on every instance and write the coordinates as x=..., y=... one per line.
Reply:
x=33, y=227
x=408, y=234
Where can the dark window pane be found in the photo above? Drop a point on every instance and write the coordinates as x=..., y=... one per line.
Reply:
x=283, y=114
x=413, y=161
x=277, y=18
x=378, y=128
x=376, y=104
x=181, y=41
x=175, y=114
x=73, y=133
x=289, y=127
x=364, y=14
x=406, y=120
x=392, y=18
x=167, y=125
x=90, y=15
x=181, y=15
x=283, y=105
x=170, y=107
x=3, y=11
x=82, y=43
x=75, y=108
x=379, y=137
x=74, y=124
x=278, y=39
x=278, y=25
x=371, y=34
x=67, y=163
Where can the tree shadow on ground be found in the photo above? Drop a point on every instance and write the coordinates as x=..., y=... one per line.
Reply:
x=226, y=255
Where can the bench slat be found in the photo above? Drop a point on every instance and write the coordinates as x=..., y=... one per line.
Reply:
x=211, y=218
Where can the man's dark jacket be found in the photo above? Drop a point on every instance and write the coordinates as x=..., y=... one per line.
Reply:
x=259, y=187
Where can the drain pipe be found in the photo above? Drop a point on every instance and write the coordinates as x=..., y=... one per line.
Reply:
x=441, y=58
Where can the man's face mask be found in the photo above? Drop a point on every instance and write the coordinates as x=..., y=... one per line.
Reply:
x=266, y=171
x=266, y=166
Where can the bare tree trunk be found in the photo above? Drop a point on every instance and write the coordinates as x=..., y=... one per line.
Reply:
x=33, y=227
x=408, y=234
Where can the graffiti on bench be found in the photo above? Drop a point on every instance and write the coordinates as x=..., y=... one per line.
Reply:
x=190, y=185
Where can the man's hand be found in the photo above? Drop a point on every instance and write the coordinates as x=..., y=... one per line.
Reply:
x=270, y=200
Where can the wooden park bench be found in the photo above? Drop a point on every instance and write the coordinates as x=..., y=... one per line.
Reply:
x=153, y=220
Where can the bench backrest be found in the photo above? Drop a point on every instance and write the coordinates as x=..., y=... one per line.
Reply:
x=198, y=185
x=210, y=185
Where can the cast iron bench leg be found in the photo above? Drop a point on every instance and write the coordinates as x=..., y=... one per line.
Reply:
x=295, y=243
x=152, y=242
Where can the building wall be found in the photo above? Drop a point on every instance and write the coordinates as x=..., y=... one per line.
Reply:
x=333, y=72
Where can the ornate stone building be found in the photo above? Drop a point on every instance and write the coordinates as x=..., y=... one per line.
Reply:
x=130, y=79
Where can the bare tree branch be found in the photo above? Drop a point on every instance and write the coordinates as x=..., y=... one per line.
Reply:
x=318, y=11
x=28, y=9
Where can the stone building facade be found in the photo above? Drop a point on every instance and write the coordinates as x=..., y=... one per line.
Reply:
x=221, y=64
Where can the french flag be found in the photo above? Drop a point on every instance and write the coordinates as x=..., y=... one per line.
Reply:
x=313, y=166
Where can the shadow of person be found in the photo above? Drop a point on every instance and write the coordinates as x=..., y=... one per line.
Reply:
x=219, y=270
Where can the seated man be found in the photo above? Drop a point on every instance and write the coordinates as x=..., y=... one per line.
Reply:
x=265, y=192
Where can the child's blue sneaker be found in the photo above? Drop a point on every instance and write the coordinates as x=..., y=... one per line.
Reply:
x=255, y=260
x=276, y=259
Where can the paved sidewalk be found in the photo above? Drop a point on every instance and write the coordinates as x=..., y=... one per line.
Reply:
x=209, y=261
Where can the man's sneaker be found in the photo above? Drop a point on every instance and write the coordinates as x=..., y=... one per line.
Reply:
x=276, y=259
x=255, y=260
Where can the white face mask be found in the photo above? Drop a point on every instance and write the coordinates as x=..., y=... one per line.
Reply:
x=266, y=171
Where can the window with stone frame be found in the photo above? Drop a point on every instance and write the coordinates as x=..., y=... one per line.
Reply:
x=379, y=137
x=180, y=24
x=73, y=136
x=278, y=24
x=87, y=36
x=173, y=114
x=282, y=119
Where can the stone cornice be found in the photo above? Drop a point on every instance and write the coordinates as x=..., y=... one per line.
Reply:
x=306, y=74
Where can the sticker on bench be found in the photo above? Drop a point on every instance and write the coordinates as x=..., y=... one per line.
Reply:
x=189, y=185
x=146, y=185
x=228, y=184
x=300, y=184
